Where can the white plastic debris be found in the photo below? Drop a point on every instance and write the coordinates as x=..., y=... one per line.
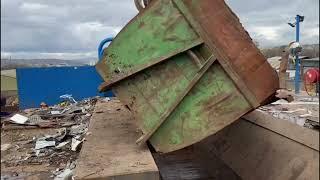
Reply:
x=37, y=152
x=19, y=119
x=107, y=99
x=40, y=144
x=75, y=143
x=5, y=147
x=59, y=146
x=69, y=97
x=64, y=175
x=55, y=112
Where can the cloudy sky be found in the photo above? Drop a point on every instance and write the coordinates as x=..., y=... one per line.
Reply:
x=72, y=29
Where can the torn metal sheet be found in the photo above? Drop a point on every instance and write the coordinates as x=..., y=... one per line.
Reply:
x=78, y=129
x=61, y=145
x=40, y=144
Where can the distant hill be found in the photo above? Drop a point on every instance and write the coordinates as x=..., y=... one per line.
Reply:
x=310, y=50
x=20, y=63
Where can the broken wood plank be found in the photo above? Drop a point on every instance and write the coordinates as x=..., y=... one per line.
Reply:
x=110, y=151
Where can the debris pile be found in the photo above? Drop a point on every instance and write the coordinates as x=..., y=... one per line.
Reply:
x=49, y=136
x=303, y=111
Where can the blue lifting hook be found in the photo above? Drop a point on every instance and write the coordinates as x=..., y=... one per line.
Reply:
x=100, y=48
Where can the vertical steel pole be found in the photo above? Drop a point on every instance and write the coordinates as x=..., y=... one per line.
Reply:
x=297, y=74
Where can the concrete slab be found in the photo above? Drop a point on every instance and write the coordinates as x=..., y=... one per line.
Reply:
x=110, y=152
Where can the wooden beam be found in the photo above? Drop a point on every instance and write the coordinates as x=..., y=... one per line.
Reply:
x=110, y=152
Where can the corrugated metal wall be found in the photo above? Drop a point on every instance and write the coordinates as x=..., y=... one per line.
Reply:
x=36, y=85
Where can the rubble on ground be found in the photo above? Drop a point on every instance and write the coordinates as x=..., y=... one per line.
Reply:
x=48, y=136
x=303, y=110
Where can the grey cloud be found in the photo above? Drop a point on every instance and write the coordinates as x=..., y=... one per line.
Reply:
x=264, y=18
x=60, y=26
x=66, y=27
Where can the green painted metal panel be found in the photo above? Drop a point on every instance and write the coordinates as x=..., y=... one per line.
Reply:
x=213, y=103
x=148, y=39
x=153, y=91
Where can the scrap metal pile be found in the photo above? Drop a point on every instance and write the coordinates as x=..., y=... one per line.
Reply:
x=303, y=111
x=49, y=136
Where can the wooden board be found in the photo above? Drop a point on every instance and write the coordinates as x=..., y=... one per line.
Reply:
x=110, y=152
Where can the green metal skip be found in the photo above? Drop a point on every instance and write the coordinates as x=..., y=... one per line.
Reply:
x=186, y=69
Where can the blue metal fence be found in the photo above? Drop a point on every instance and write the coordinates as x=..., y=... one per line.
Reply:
x=36, y=85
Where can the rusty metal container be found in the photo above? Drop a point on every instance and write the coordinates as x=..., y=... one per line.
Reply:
x=186, y=69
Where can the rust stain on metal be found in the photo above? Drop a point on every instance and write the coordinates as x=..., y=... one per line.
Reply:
x=230, y=38
x=189, y=70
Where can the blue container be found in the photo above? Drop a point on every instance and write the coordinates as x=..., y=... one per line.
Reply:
x=36, y=85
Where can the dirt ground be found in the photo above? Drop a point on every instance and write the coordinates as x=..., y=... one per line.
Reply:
x=18, y=160
x=20, y=156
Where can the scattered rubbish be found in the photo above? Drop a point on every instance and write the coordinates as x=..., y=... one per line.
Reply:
x=68, y=97
x=43, y=144
x=107, y=99
x=61, y=129
x=312, y=124
x=75, y=109
x=64, y=175
x=75, y=143
x=35, y=119
x=78, y=129
x=297, y=111
x=37, y=153
x=284, y=94
x=5, y=147
x=43, y=105
x=282, y=101
x=19, y=119
x=55, y=112
x=61, y=145
x=286, y=111
x=60, y=134
x=63, y=104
